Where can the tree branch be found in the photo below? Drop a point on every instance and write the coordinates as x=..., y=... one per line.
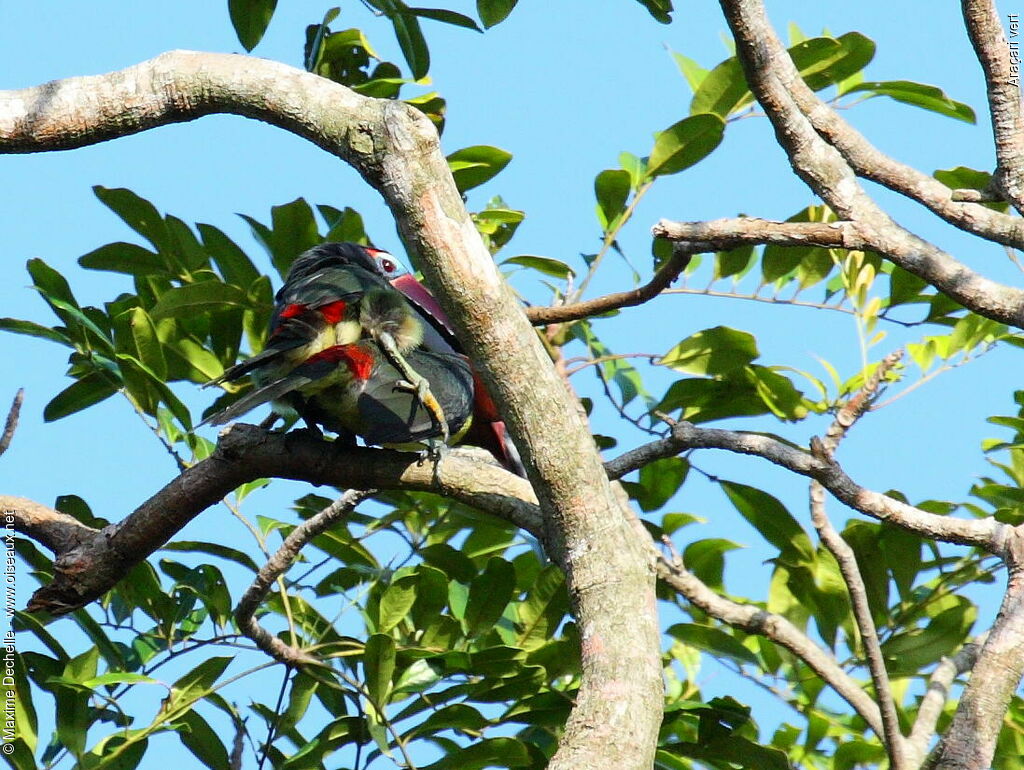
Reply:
x=773, y=78
x=722, y=234
x=847, y=561
x=970, y=740
x=396, y=149
x=278, y=565
x=987, y=534
x=778, y=629
x=870, y=163
x=985, y=30
x=57, y=531
x=934, y=700
x=667, y=273
x=89, y=562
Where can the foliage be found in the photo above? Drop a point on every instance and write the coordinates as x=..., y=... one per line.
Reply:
x=459, y=646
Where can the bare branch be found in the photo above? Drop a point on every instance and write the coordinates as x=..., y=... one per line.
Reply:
x=12, y=420
x=987, y=534
x=57, y=531
x=722, y=234
x=278, y=565
x=662, y=278
x=1003, y=86
x=773, y=78
x=93, y=563
x=755, y=620
x=934, y=700
x=850, y=412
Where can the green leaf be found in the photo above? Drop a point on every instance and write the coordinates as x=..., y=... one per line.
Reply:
x=138, y=213
x=235, y=267
x=250, y=19
x=547, y=265
x=706, y=560
x=89, y=390
x=734, y=262
x=472, y=166
x=411, y=41
x=493, y=12
x=489, y=593
x=612, y=188
x=201, y=739
x=919, y=95
x=692, y=71
x=684, y=143
x=714, y=641
x=147, y=342
x=31, y=329
x=396, y=602
x=658, y=482
x=117, y=678
x=198, y=682
x=490, y=752
x=126, y=258
x=543, y=609
x=379, y=667
x=769, y=517
x=715, y=351
x=197, y=298
x=661, y=10
x=448, y=17
x=822, y=61
x=213, y=549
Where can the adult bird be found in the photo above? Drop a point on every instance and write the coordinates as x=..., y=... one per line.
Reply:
x=334, y=295
x=354, y=389
x=488, y=429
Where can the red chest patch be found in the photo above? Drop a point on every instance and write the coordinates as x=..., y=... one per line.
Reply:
x=333, y=312
x=358, y=360
x=293, y=310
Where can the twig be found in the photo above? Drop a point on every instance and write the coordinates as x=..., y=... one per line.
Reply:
x=277, y=565
x=985, y=30
x=272, y=727
x=12, y=420
x=667, y=273
x=847, y=415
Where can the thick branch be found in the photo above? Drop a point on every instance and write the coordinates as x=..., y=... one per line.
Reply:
x=773, y=77
x=55, y=530
x=970, y=740
x=397, y=151
x=88, y=563
x=1003, y=86
x=987, y=534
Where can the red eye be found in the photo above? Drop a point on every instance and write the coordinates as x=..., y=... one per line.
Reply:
x=387, y=265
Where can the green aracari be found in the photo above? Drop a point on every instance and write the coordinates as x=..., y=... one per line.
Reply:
x=356, y=389
x=335, y=294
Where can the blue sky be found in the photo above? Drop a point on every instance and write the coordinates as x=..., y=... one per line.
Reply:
x=565, y=91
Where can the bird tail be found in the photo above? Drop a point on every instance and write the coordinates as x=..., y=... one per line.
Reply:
x=270, y=392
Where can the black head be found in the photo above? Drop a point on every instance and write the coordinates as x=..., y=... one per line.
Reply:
x=339, y=255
